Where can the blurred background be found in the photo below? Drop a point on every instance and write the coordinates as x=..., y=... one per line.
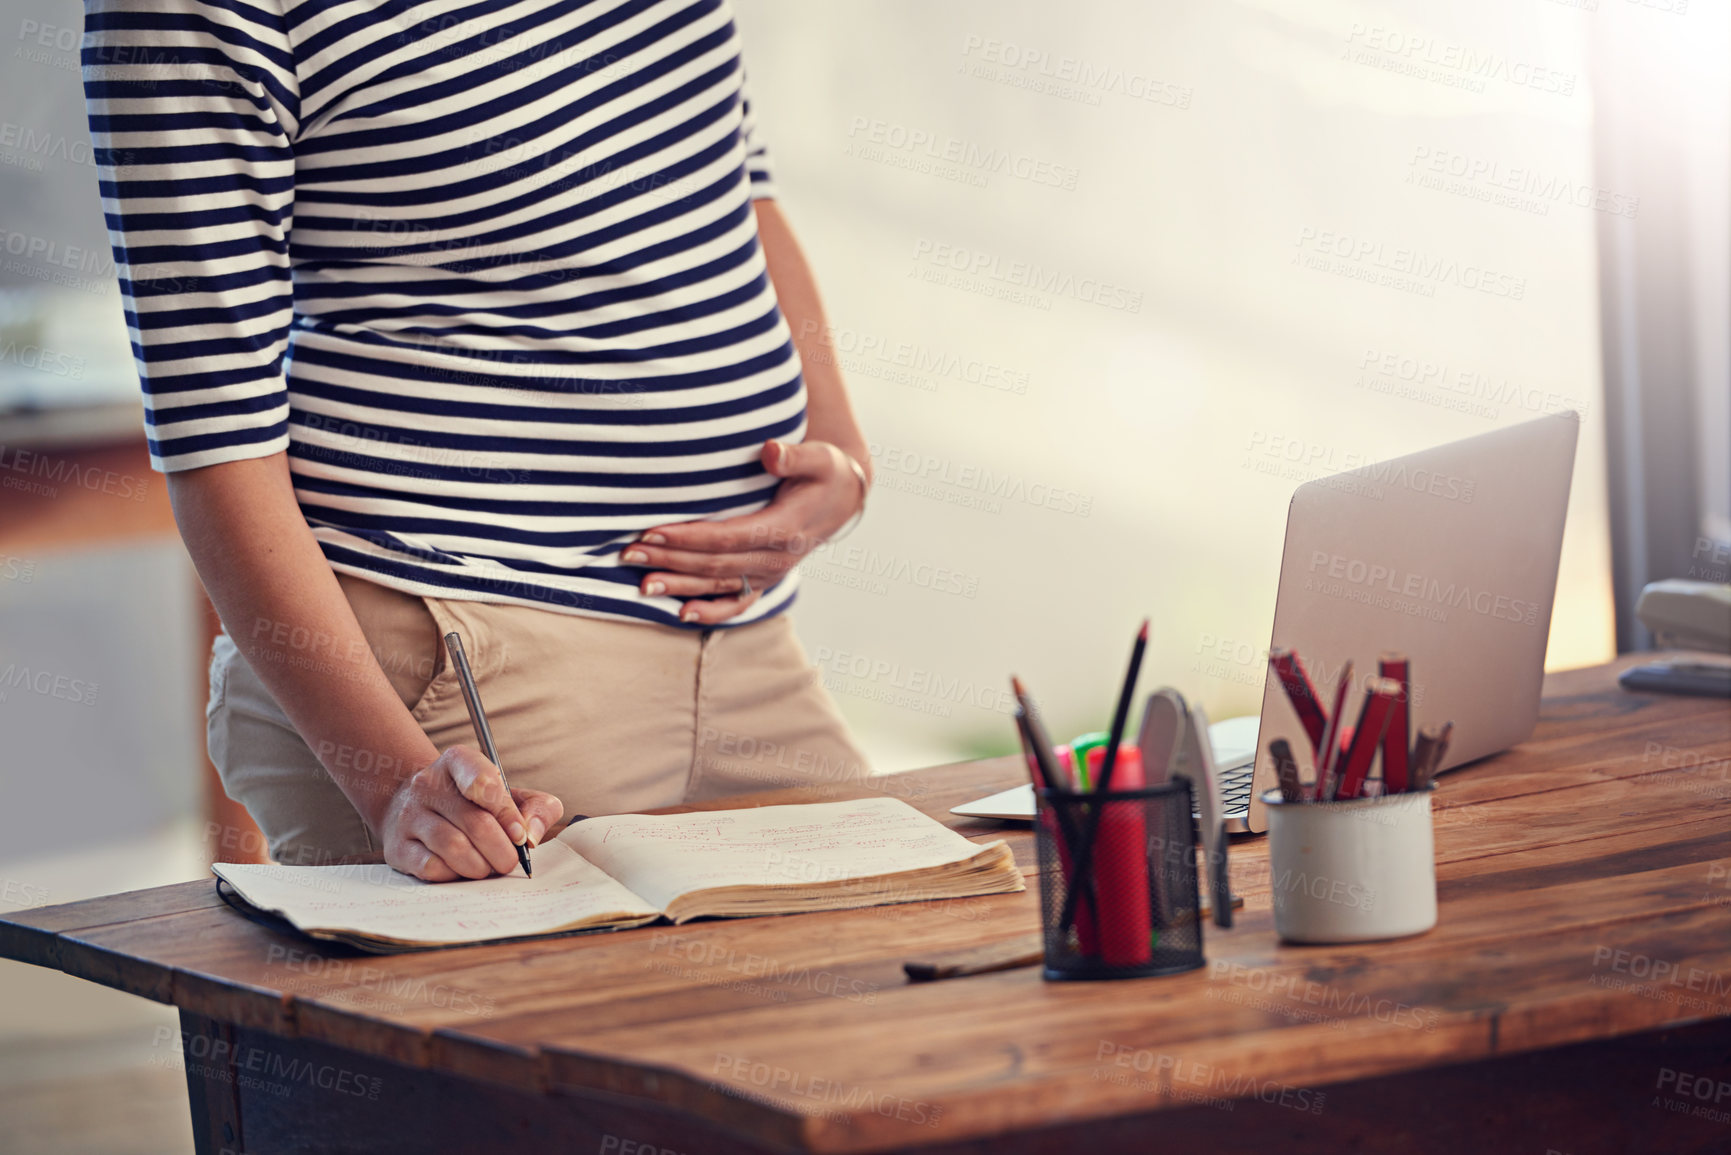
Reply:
x=1108, y=281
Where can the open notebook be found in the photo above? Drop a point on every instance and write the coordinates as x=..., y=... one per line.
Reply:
x=630, y=869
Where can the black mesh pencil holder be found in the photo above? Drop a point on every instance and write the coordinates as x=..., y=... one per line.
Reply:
x=1135, y=912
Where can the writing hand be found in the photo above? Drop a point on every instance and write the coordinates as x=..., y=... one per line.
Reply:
x=454, y=820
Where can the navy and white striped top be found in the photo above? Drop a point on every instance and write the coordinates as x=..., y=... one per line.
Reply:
x=487, y=270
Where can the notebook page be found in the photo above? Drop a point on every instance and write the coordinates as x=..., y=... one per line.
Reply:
x=661, y=856
x=378, y=901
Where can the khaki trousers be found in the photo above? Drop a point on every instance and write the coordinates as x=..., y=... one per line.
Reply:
x=608, y=716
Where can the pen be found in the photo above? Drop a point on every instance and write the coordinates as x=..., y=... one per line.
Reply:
x=483, y=734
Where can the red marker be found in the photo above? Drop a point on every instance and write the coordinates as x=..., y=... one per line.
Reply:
x=1121, y=865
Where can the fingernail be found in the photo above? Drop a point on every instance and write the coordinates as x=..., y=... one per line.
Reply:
x=515, y=831
x=653, y=539
x=536, y=829
x=654, y=588
x=688, y=615
x=636, y=555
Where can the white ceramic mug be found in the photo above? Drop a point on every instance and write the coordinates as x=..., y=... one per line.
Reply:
x=1352, y=871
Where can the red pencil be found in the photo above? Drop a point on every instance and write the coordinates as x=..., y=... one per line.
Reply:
x=1300, y=693
x=1379, y=696
x=1398, y=740
x=1329, y=754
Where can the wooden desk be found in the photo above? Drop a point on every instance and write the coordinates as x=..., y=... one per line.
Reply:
x=1573, y=870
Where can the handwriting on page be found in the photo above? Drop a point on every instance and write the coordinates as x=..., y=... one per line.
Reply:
x=565, y=890
x=664, y=856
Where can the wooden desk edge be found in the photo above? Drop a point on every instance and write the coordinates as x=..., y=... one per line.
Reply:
x=24, y=936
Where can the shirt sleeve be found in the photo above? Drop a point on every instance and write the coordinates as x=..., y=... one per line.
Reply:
x=193, y=110
x=757, y=164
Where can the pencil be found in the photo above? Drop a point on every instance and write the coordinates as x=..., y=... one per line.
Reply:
x=1398, y=741
x=1054, y=815
x=1042, y=741
x=1330, y=752
x=1428, y=753
x=1367, y=736
x=1120, y=716
x=1442, y=750
x=1036, y=769
x=1290, y=670
x=1038, y=747
x=1291, y=787
x=483, y=732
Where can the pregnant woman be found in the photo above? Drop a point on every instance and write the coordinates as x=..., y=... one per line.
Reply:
x=475, y=316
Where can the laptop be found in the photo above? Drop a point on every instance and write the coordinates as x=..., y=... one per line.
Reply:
x=1448, y=555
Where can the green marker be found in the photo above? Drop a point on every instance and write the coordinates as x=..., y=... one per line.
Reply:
x=1079, y=748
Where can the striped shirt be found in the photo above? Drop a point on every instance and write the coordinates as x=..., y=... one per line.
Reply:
x=488, y=271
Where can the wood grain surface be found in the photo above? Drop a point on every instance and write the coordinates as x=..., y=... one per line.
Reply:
x=1584, y=890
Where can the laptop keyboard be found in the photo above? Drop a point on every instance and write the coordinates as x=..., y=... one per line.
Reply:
x=1235, y=786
